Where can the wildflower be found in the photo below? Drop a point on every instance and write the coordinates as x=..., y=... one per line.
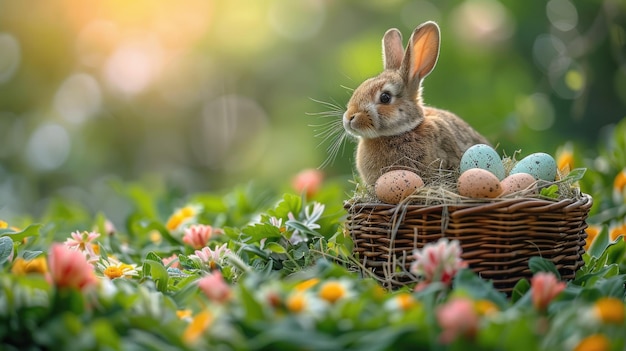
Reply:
x=23, y=267
x=197, y=236
x=485, y=307
x=619, y=186
x=544, y=288
x=211, y=257
x=184, y=314
x=308, y=182
x=335, y=290
x=609, y=310
x=592, y=233
x=197, y=326
x=617, y=230
x=565, y=158
x=278, y=223
x=457, y=318
x=83, y=242
x=172, y=261
x=307, y=284
x=401, y=302
x=595, y=342
x=438, y=261
x=113, y=268
x=69, y=268
x=215, y=287
x=296, y=302
x=182, y=216
x=155, y=237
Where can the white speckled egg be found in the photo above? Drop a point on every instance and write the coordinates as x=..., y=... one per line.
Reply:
x=394, y=186
x=482, y=156
x=479, y=183
x=517, y=182
x=540, y=165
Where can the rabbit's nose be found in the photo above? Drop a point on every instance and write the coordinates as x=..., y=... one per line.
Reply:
x=349, y=117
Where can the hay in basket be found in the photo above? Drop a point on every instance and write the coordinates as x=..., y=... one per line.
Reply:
x=497, y=236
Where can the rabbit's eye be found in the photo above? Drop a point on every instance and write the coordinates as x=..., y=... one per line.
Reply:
x=385, y=98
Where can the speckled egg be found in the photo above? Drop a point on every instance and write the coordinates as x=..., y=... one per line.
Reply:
x=540, y=165
x=482, y=156
x=394, y=186
x=517, y=182
x=479, y=183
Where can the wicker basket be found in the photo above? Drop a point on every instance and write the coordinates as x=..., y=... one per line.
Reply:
x=498, y=238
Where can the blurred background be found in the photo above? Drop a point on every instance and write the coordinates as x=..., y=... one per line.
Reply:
x=203, y=95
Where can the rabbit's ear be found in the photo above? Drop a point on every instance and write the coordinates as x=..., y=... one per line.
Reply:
x=421, y=53
x=392, y=49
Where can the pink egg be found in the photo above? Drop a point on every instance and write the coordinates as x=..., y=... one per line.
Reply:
x=517, y=182
x=394, y=186
x=479, y=183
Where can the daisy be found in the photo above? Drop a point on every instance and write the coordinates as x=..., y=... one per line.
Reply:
x=112, y=268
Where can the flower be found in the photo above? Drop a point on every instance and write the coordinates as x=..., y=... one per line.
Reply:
x=609, y=310
x=307, y=284
x=457, y=318
x=565, y=158
x=485, y=307
x=197, y=236
x=592, y=233
x=438, y=261
x=215, y=287
x=296, y=302
x=619, y=186
x=23, y=267
x=595, y=342
x=84, y=242
x=182, y=216
x=184, y=314
x=197, y=326
x=172, y=261
x=69, y=268
x=112, y=268
x=618, y=229
x=402, y=302
x=544, y=288
x=335, y=290
x=312, y=214
x=308, y=182
x=211, y=257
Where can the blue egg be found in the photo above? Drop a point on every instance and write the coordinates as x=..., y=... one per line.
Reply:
x=540, y=165
x=484, y=157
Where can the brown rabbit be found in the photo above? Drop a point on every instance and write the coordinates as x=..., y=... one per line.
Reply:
x=386, y=113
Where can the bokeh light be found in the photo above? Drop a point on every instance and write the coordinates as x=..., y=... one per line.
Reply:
x=9, y=57
x=48, y=147
x=78, y=98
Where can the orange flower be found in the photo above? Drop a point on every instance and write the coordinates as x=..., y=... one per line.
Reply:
x=610, y=310
x=619, y=183
x=617, y=230
x=565, y=158
x=23, y=267
x=595, y=342
x=592, y=233
x=182, y=216
x=198, y=325
x=69, y=268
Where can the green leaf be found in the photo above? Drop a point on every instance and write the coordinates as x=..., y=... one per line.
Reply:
x=520, y=289
x=276, y=248
x=29, y=255
x=540, y=264
x=157, y=272
x=31, y=230
x=551, y=192
x=289, y=204
x=478, y=288
x=6, y=249
x=261, y=231
x=600, y=243
x=575, y=175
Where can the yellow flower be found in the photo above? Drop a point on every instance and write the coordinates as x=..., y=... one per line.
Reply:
x=609, y=310
x=617, y=230
x=23, y=267
x=592, y=233
x=3, y=224
x=485, y=307
x=619, y=183
x=405, y=301
x=183, y=314
x=296, y=303
x=307, y=284
x=565, y=158
x=155, y=237
x=181, y=216
x=113, y=268
x=595, y=342
x=197, y=326
x=334, y=290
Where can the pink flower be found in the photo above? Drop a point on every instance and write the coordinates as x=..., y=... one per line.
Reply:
x=198, y=235
x=212, y=257
x=544, y=288
x=168, y=260
x=457, y=318
x=215, y=287
x=83, y=242
x=308, y=181
x=69, y=268
x=438, y=261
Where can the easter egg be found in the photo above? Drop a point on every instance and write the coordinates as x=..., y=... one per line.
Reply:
x=394, y=186
x=540, y=165
x=516, y=182
x=479, y=183
x=484, y=157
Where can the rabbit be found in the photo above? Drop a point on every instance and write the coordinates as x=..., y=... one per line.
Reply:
x=393, y=127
